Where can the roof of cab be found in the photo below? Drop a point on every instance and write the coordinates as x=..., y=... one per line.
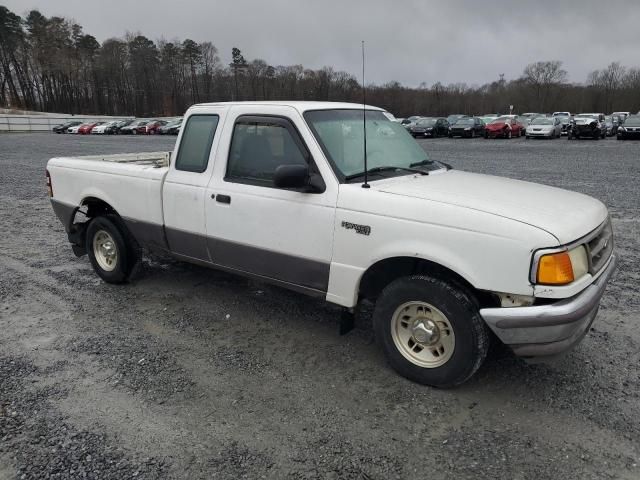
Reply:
x=301, y=106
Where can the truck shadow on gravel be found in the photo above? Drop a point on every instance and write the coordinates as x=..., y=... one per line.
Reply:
x=597, y=380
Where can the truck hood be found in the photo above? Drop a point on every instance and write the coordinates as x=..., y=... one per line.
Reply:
x=564, y=214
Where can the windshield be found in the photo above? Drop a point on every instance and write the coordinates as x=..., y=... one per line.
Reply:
x=427, y=122
x=501, y=120
x=340, y=134
x=464, y=121
x=632, y=122
x=541, y=121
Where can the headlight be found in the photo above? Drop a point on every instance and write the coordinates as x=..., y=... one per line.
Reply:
x=468, y=128
x=561, y=268
x=621, y=129
x=555, y=269
x=579, y=261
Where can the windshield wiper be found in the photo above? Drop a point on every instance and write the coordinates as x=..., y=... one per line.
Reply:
x=386, y=168
x=431, y=162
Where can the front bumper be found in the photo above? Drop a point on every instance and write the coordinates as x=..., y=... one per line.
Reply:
x=539, y=133
x=549, y=330
x=628, y=135
x=460, y=133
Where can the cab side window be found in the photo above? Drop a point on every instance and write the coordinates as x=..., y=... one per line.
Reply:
x=195, y=144
x=260, y=145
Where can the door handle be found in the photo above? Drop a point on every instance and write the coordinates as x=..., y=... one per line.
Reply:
x=223, y=198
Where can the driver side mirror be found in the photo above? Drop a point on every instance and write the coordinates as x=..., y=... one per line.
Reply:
x=298, y=177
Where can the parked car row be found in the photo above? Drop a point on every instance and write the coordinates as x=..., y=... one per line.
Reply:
x=530, y=125
x=122, y=127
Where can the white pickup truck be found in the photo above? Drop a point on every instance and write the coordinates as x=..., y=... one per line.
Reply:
x=277, y=191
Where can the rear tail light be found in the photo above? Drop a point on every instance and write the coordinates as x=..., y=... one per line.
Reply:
x=49, y=185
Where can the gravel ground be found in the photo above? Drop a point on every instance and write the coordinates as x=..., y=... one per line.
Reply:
x=192, y=373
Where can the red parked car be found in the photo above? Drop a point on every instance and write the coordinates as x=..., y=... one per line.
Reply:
x=87, y=127
x=504, y=127
x=153, y=126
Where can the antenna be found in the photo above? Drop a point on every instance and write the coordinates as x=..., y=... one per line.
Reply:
x=364, y=122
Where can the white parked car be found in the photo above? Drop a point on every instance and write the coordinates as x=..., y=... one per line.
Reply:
x=75, y=128
x=544, y=127
x=278, y=191
x=103, y=127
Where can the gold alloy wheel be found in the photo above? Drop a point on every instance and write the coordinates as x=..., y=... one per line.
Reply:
x=105, y=250
x=422, y=334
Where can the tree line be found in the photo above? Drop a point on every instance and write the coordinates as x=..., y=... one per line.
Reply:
x=50, y=64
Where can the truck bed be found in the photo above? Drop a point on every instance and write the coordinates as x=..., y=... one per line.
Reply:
x=131, y=183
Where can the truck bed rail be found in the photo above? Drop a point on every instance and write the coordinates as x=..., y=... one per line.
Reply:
x=156, y=159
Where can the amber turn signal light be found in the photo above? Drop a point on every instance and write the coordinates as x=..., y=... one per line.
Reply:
x=555, y=269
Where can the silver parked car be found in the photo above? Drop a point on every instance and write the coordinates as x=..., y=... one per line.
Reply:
x=544, y=127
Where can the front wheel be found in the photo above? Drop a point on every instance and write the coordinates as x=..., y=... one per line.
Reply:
x=431, y=330
x=112, y=252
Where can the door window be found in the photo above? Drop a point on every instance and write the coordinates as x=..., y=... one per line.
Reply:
x=259, y=146
x=195, y=145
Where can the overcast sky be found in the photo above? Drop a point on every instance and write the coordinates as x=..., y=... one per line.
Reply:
x=470, y=41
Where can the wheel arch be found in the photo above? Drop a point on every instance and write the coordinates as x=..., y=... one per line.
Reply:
x=90, y=207
x=383, y=272
x=96, y=206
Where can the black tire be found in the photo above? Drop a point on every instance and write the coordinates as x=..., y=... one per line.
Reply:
x=127, y=250
x=461, y=310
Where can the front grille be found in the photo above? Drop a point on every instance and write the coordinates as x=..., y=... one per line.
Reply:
x=600, y=248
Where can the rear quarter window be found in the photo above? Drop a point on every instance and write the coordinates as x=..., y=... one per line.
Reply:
x=195, y=144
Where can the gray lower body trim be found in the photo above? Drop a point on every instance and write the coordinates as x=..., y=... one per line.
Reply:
x=65, y=213
x=548, y=330
x=290, y=286
x=148, y=235
x=265, y=263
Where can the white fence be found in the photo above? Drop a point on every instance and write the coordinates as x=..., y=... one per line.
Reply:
x=42, y=123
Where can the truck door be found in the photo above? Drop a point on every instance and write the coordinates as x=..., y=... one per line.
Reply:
x=183, y=194
x=254, y=227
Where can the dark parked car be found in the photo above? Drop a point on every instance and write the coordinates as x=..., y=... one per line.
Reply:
x=453, y=118
x=171, y=128
x=467, y=127
x=135, y=127
x=117, y=126
x=63, y=128
x=630, y=129
x=410, y=122
x=588, y=125
x=429, y=127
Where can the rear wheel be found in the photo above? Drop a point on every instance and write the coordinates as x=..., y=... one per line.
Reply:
x=431, y=330
x=112, y=252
